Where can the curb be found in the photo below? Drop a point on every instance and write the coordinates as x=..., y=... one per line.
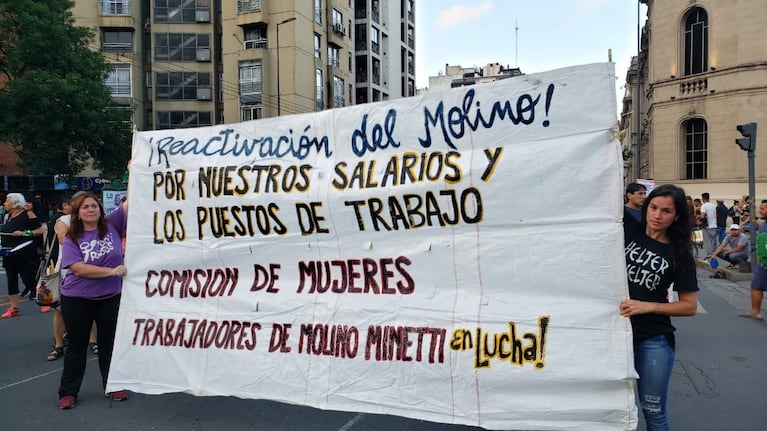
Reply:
x=730, y=274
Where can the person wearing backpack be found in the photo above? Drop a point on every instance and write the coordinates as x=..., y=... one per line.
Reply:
x=734, y=212
x=53, y=252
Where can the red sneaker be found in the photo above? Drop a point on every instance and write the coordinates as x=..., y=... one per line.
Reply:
x=118, y=395
x=11, y=312
x=45, y=309
x=67, y=402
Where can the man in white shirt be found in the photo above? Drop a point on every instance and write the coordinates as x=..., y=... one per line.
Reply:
x=708, y=217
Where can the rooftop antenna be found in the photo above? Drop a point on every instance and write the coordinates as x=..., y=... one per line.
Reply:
x=516, y=43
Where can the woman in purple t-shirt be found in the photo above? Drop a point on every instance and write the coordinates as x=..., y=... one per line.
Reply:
x=91, y=290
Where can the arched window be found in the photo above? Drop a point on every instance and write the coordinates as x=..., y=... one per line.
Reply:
x=696, y=149
x=696, y=42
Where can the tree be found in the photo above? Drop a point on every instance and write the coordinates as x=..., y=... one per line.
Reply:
x=56, y=111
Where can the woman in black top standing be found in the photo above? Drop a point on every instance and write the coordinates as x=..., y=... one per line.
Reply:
x=24, y=262
x=658, y=254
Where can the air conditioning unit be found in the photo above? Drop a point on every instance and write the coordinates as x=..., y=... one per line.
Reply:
x=202, y=15
x=339, y=29
x=204, y=93
x=203, y=54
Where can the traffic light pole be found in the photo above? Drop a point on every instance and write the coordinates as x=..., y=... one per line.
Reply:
x=752, y=206
x=748, y=144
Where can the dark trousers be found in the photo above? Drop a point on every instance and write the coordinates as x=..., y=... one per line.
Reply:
x=26, y=270
x=79, y=314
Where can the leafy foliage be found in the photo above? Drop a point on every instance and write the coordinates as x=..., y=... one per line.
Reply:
x=56, y=110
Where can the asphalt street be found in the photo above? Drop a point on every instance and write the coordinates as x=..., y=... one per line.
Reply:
x=718, y=383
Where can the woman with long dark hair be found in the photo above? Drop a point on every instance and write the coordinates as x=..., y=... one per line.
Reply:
x=658, y=254
x=91, y=290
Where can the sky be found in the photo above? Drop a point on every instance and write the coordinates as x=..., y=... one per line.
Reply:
x=551, y=34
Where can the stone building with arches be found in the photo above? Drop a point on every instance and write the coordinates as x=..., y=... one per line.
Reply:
x=703, y=71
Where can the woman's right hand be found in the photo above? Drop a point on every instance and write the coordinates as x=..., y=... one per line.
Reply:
x=120, y=271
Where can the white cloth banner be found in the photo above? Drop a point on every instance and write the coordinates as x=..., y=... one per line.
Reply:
x=454, y=257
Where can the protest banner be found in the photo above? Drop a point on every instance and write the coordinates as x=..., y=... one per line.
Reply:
x=455, y=257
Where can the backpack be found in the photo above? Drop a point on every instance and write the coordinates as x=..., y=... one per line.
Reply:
x=731, y=211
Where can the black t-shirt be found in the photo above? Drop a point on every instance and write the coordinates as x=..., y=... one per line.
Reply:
x=20, y=222
x=651, y=272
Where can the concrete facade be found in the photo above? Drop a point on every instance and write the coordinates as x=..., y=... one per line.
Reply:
x=717, y=85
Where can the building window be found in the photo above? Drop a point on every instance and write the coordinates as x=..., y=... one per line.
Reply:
x=317, y=46
x=118, y=81
x=182, y=11
x=182, y=86
x=318, y=11
x=244, y=6
x=374, y=40
x=338, y=22
x=376, y=71
x=255, y=37
x=181, y=47
x=117, y=41
x=320, y=93
x=114, y=7
x=333, y=56
x=251, y=112
x=251, y=83
x=375, y=11
x=360, y=38
x=182, y=119
x=696, y=149
x=696, y=42
x=338, y=92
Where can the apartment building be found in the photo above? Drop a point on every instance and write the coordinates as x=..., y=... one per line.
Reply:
x=384, y=49
x=188, y=63
x=457, y=76
x=703, y=71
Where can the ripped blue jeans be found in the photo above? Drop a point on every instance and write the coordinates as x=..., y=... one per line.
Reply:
x=654, y=361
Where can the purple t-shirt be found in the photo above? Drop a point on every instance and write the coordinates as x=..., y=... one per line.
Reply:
x=91, y=249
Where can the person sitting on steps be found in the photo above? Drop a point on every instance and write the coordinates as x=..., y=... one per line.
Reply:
x=735, y=247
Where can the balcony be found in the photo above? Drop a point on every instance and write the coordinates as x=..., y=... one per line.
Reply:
x=693, y=87
x=336, y=37
x=249, y=12
x=247, y=6
x=115, y=7
x=256, y=44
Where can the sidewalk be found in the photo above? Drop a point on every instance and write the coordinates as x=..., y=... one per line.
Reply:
x=735, y=289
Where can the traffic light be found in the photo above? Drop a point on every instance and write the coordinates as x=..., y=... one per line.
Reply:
x=748, y=141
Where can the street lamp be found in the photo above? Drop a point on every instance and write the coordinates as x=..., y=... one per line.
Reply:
x=285, y=21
